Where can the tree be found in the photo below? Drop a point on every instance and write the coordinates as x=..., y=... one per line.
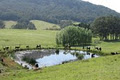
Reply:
x=81, y=24
x=65, y=23
x=24, y=25
x=74, y=36
x=108, y=28
x=2, y=25
x=31, y=26
x=20, y=25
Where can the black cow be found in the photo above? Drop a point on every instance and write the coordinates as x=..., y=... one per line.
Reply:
x=38, y=47
x=27, y=47
x=114, y=53
x=6, y=48
x=93, y=55
x=98, y=48
x=88, y=48
x=36, y=65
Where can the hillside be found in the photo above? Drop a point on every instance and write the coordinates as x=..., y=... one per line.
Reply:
x=9, y=24
x=40, y=25
x=52, y=10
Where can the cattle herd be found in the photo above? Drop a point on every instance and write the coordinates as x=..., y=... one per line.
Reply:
x=97, y=48
x=18, y=48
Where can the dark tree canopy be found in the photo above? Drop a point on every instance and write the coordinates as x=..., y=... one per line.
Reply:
x=108, y=28
x=74, y=36
x=31, y=26
x=2, y=25
x=52, y=10
x=84, y=25
x=24, y=25
x=65, y=23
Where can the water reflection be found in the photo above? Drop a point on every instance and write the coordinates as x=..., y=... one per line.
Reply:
x=49, y=57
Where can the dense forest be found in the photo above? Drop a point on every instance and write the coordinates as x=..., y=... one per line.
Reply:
x=52, y=10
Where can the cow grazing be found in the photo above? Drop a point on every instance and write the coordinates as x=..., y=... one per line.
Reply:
x=6, y=48
x=114, y=53
x=98, y=48
x=38, y=47
x=27, y=47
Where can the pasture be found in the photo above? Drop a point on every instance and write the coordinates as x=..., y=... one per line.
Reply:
x=103, y=68
x=42, y=25
x=14, y=37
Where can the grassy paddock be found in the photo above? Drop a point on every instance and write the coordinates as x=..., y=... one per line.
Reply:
x=42, y=25
x=14, y=37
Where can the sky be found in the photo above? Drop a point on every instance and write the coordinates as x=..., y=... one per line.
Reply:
x=112, y=4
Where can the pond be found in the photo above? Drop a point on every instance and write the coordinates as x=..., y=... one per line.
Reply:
x=46, y=58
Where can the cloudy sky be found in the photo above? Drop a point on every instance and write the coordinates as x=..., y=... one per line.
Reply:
x=113, y=4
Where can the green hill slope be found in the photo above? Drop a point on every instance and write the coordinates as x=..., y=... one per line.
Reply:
x=9, y=24
x=42, y=25
x=52, y=10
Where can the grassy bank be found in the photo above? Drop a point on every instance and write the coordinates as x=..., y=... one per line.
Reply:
x=103, y=68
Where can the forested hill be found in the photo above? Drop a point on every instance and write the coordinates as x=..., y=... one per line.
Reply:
x=52, y=10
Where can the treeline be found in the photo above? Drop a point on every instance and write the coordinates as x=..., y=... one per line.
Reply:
x=20, y=25
x=107, y=28
x=52, y=10
x=2, y=25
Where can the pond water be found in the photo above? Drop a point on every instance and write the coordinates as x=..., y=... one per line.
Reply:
x=46, y=58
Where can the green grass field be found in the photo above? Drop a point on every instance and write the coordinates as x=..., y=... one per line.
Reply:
x=102, y=68
x=14, y=37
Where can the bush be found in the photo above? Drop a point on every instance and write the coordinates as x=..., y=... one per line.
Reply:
x=80, y=56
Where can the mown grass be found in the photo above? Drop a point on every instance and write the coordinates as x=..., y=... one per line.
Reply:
x=103, y=68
